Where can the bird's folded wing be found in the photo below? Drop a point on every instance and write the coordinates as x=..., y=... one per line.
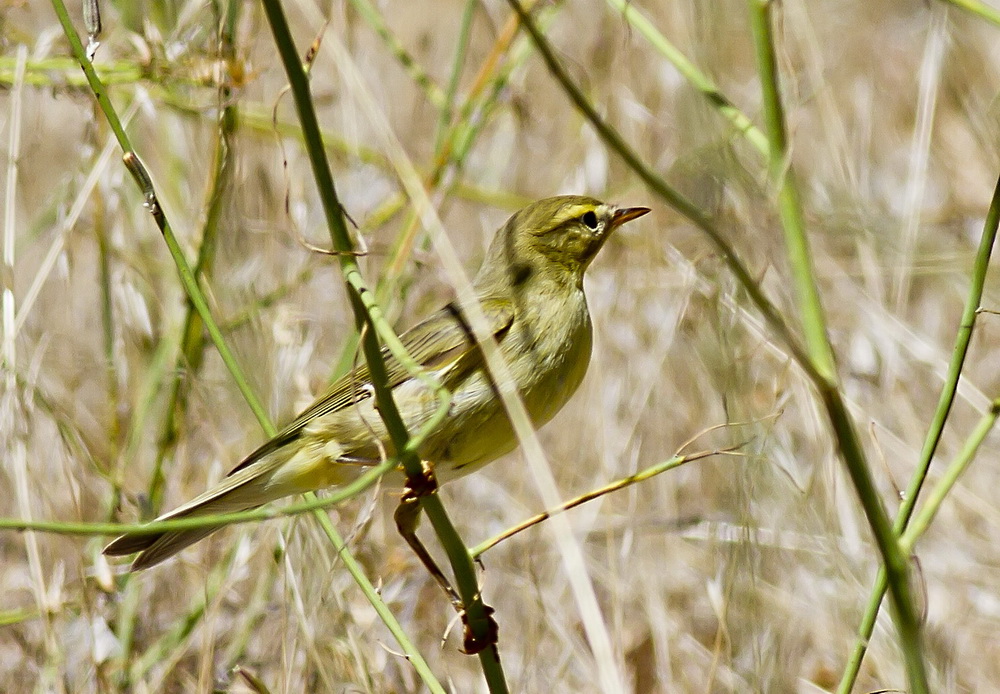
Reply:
x=441, y=339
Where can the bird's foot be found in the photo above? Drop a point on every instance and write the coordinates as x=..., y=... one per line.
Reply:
x=423, y=484
x=472, y=643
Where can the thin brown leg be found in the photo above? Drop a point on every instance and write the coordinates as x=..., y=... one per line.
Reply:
x=407, y=517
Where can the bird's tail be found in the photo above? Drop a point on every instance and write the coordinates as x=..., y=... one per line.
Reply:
x=247, y=487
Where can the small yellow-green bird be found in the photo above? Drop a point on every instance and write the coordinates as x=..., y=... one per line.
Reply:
x=530, y=287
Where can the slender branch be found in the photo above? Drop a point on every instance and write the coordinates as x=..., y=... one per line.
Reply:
x=366, y=313
x=978, y=7
x=642, y=475
x=949, y=390
x=339, y=233
x=333, y=498
x=782, y=175
x=937, y=495
x=669, y=195
x=837, y=413
x=435, y=95
x=695, y=77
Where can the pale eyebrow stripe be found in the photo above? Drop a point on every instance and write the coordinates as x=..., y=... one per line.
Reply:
x=570, y=213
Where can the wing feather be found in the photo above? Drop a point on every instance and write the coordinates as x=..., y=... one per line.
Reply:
x=441, y=339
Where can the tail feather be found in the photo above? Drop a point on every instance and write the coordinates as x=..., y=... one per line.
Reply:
x=130, y=544
x=167, y=545
x=247, y=488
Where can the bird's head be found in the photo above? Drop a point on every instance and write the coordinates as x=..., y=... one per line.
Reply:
x=557, y=237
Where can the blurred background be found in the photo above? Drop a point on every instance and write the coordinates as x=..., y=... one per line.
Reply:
x=733, y=573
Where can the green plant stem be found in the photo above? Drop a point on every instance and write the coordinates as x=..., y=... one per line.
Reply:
x=641, y=476
x=337, y=496
x=695, y=77
x=913, y=532
x=192, y=331
x=945, y=401
x=836, y=410
x=198, y=299
x=669, y=195
x=60, y=71
x=782, y=175
x=979, y=8
x=461, y=50
x=362, y=302
x=435, y=95
x=937, y=495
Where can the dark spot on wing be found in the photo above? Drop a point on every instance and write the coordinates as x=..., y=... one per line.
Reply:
x=520, y=273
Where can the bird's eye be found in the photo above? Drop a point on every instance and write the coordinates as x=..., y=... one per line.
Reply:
x=590, y=219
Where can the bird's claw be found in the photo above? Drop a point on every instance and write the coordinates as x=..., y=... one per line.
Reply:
x=423, y=484
x=473, y=644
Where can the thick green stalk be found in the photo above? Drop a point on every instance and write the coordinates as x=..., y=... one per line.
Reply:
x=362, y=303
x=949, y=390
x=836, y=411
x=782, y=175
x=198, y=299
x=821, y=353
x=669, y=195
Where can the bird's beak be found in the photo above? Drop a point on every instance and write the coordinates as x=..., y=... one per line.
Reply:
x=626, y=214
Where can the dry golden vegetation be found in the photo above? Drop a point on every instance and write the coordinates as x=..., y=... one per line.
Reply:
x=733, y=573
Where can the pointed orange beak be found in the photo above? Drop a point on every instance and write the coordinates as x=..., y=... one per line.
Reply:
x=626, y=214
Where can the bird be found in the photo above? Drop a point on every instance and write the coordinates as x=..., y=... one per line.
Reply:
x=530, y=290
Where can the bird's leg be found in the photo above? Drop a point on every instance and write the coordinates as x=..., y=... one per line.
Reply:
x=407, y=517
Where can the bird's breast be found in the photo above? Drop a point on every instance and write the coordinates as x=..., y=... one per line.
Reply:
x=547, y=350
x=558, y=345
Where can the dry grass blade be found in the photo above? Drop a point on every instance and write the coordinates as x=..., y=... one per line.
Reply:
x=720, y=576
